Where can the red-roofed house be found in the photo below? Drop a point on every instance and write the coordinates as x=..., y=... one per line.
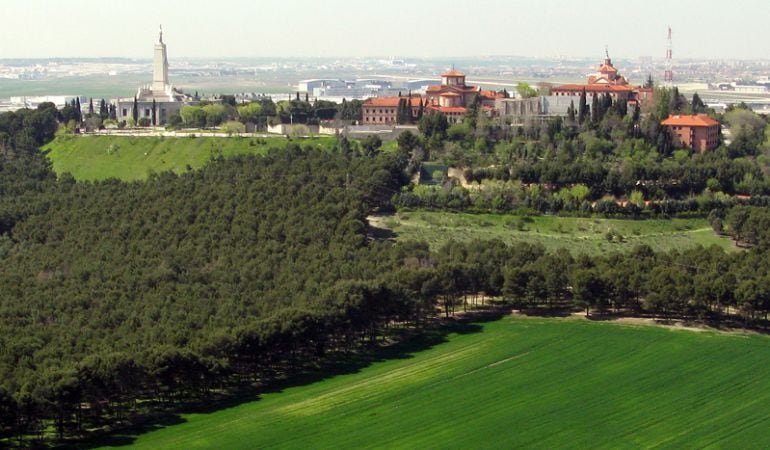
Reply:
x=384, y=110
x=698, y=132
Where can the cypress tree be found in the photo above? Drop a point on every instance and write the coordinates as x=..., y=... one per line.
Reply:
x=582, y=107
x=400, y=116
x=78, y=110
x=607, y=99
x=649, y=84
x=154, y=113
x=571, y=111
x=135, y=111
x=697, y=104
x=103, y=109
x=595, y=109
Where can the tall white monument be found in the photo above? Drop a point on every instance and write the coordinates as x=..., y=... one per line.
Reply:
x=154, y=103
x=160, y=67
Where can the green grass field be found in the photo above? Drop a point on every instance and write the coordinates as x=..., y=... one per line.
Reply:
x=580, y=235
x=134, y=158
x=517, y=382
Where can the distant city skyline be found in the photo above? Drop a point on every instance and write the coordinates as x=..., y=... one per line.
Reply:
x=398, y=28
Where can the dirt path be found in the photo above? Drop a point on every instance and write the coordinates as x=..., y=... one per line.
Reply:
x=673, y=324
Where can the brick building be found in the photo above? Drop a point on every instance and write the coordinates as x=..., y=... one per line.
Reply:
x=697, y=132
x=606, y=80
x=384, y=111
x=453, y=96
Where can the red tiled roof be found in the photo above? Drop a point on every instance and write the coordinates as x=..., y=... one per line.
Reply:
x=449, y=109
x=593, y=88
x=453, y=73
x=392, y=101
x=699, y=120
x=445, y=87
x=450, y=94
x=604, y=68
x=491, y=94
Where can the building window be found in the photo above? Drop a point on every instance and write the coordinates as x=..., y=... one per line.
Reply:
x=125, y=112
x=147, y=112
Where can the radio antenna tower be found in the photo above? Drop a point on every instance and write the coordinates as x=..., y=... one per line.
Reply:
x=669, y=76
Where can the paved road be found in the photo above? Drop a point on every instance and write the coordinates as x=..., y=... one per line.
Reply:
x=158, y=132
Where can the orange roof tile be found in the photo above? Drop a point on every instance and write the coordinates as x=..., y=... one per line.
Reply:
x=392, y=101
x=491, y=94
x=449, y=109
x=453, y=73
x=445, y=87
x=604, y=68
x=593, y=88
x=699, y=120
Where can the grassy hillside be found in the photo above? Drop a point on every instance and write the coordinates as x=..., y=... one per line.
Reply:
x=517, y=382
x=133, y=158
x=581, y=235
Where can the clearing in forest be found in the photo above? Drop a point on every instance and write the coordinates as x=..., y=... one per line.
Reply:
x=579, y=235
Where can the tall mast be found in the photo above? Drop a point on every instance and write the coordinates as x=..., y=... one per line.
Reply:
x=669, y=76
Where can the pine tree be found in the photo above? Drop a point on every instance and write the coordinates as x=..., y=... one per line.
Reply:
x=582, y=108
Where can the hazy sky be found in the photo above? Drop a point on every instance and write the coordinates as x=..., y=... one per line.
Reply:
x=400, y=28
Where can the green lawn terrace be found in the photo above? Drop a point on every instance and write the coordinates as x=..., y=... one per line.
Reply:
x=579, y=235
x=134, y=158
x=512, y=383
